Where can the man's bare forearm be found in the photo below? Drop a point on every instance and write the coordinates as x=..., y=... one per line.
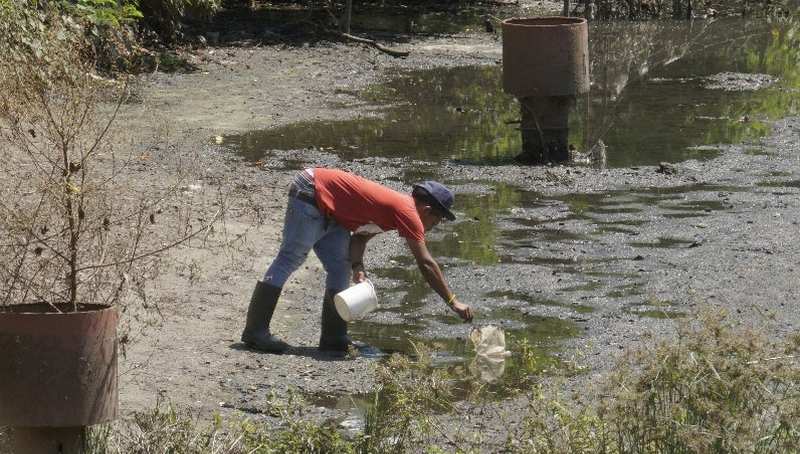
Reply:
x=435, y=278
x=358, y=244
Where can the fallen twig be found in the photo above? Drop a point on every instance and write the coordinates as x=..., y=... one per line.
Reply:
x=774, y=358
x=380, y=47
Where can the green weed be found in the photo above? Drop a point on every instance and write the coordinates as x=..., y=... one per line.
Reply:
x=714, y=389
x=717, y=390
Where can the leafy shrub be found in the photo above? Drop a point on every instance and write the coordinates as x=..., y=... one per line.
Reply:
x=106, y=12
x=81, y=234
x=165, y=17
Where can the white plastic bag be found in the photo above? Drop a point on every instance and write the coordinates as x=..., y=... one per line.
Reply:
x=490, y=346
x=489, y=341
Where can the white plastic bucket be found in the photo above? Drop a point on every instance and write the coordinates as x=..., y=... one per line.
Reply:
x=356, y=301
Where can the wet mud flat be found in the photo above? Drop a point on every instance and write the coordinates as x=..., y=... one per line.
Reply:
x=595, y=262
x=560, y=242
x=613, y=240
x=572, y=259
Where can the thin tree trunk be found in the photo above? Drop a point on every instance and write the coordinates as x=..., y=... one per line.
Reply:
x=348, y=15
x=69, y=209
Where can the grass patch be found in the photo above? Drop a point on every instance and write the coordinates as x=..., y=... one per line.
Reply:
x=715, y=388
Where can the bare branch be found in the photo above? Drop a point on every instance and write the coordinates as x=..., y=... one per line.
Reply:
x=156, y=251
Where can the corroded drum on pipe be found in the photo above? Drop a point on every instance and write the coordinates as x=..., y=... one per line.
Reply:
x=545, y=56
x=57, y=370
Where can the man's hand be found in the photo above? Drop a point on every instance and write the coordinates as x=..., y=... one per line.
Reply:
x=359, y=276
x=463, y=311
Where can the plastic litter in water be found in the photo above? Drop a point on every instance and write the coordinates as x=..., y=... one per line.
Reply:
x=490, y=348
x=489, y=341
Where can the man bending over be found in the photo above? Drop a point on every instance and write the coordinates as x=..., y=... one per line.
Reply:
x=336, y=213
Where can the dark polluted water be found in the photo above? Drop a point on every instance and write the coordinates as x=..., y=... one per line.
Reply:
x=661, y=91
x=533, y=344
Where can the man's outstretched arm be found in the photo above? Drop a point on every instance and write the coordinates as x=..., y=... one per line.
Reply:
x=433, y=275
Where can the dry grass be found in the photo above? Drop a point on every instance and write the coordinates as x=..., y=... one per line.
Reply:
x=715, y=390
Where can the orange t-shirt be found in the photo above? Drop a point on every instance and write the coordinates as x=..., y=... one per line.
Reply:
x=361, y=205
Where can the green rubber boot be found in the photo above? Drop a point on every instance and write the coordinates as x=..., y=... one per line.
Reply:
x=256, y=331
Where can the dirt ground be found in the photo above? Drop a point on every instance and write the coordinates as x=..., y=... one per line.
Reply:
x=741, y=258
x=193, y=357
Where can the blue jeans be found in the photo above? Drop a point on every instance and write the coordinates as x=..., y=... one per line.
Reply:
x=303, y=229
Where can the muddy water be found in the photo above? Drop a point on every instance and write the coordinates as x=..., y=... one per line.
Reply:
x=510, y=225
x=534, y=342
x=373, y=19
x=661, y=92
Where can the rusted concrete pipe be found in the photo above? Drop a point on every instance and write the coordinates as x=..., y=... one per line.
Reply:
x=545, y=65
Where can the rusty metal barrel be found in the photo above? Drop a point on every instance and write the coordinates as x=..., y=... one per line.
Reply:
x=58, y=374
x=545, y=65
x=545, y=56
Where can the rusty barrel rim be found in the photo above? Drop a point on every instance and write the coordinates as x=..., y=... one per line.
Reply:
x=34, y=309
x=550, y=21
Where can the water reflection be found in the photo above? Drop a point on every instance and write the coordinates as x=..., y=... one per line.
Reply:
x=476, y=238
x=649, y=100
x=669, y=65
x=488, y=369
x=436, y=114
x=409, y=287
x=532, y=352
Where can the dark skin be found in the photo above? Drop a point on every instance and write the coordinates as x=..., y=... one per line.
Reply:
x=433, y=275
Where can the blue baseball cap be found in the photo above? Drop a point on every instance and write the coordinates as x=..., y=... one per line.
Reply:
x=441, y=198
